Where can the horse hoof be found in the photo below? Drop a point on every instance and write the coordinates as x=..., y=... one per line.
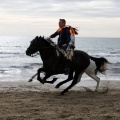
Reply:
x=61, y=94
x=30, y=80
x=41, y=81
x=56, y=86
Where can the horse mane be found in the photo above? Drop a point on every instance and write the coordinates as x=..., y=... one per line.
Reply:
x=46, y=40
x=50, y=42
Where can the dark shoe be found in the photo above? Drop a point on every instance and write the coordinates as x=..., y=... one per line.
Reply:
x=67, y=70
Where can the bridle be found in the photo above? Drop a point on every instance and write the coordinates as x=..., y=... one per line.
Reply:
x=35, y=54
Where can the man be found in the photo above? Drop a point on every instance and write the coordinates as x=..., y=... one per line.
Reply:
x=63, y=39
x=64, y=35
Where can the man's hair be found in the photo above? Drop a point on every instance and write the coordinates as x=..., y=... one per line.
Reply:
x=63, y=20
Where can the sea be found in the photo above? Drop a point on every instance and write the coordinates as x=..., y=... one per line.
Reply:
x=15, y=65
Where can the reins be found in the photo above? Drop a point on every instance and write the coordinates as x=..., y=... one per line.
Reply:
x=43, y=47
x=34, y=55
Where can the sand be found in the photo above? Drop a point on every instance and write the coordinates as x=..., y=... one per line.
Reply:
x=34, y=101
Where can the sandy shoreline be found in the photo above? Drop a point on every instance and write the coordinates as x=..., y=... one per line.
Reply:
x=22, y=86
x=34, y=101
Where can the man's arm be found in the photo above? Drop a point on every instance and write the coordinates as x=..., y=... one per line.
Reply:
x=54, y=35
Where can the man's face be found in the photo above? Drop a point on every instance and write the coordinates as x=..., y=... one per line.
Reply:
x=61, y=24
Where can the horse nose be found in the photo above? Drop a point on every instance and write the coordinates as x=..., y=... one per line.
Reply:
x=27, y=53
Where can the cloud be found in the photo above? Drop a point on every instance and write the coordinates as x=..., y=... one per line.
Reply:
x=56, y=8
x=32, y=16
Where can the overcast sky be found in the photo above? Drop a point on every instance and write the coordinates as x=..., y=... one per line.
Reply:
x=93, y=18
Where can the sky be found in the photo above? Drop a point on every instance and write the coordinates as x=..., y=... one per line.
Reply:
x=93, y=18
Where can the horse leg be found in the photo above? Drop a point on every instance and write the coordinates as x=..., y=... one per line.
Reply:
x=77, y=78
x=31, y=79
x=91, y=71
x=46, y=77
x=97, y=79
x=70, y=77
x=51, y=82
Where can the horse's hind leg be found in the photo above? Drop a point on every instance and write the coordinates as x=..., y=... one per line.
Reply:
x=97, y=79
x=76, y=79
x=70, y=77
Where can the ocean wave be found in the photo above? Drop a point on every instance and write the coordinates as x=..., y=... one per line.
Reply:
x=4, y=46
x=10, y=56
x=114, y=52
x=27, y=66
x=105, y=55
x=12, y=53
x=115, y=70
x=117, y=63
x=2, y=71
x=36, y=64
x=21, y=67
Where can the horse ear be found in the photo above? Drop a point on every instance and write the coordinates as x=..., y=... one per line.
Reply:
x=36, y=37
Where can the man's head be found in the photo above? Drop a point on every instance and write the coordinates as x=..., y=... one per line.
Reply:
x=62, y=23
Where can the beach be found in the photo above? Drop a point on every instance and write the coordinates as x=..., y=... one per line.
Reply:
x=34, y=101
x=22, y=100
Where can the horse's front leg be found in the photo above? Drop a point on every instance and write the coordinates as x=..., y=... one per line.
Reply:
x=31, y=79
x=46, y=77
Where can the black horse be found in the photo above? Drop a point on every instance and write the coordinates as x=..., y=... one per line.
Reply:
x=52, y=63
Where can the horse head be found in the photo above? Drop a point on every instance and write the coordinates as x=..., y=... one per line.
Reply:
x=33, y=48
x=39, y=44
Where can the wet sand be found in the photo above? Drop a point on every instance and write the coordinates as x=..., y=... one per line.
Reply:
x=33, y=101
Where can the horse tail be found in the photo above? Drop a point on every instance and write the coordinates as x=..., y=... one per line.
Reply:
x=101, y=64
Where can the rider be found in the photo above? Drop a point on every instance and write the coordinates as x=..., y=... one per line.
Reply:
x=64, y=35
x=63, y=39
